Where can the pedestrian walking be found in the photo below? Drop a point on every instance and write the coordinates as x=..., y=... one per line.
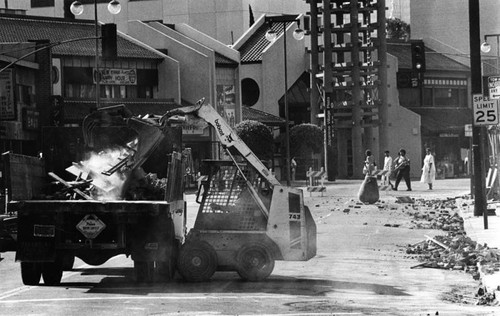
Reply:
x=402, y=170
x=429, y=169
x=369, y=163
x=293, y=166
x=386, y=178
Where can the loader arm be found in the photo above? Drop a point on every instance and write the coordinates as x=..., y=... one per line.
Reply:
x=225, y=133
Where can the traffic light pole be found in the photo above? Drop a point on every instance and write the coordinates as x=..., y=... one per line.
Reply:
x=97, y=75
x=478, y=132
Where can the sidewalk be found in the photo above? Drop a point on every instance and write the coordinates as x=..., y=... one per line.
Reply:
x=443, y=189
x=475, y=226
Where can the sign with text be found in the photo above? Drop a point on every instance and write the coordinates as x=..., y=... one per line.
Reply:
x=7, y=107
x=494, y=87
x=485, y=110
x=118, y=76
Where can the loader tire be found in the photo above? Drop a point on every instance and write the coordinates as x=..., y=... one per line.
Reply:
x=31, y=272
x=52, y=272
x=254, y=262
x=197, y=261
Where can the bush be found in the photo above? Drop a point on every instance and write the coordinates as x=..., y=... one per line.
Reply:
x=258, y=138
x=305, y=139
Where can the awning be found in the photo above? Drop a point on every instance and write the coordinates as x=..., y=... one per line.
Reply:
x=444, y=120
x=263, y=117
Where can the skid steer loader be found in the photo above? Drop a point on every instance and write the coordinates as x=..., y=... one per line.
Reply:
x=246, y=218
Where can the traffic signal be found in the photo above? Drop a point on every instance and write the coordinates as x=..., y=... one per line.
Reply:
x=108, y=41
x=418, y=56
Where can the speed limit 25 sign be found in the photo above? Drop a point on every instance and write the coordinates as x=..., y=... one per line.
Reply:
x=485, y=110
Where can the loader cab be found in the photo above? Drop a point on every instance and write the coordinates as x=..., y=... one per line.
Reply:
x=226, y=200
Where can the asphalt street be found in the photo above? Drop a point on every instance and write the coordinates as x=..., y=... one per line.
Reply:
x=361, y=268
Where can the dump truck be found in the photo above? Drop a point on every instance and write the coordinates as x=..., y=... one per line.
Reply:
x=246, y=219
x=105, y=208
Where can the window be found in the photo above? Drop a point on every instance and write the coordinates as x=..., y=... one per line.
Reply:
x=25, y=96
x=42, y=3
x=87, y=91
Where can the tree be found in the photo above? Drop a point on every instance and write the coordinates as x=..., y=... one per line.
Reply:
x=305, y=139
x=398, y=29
x=258, y=138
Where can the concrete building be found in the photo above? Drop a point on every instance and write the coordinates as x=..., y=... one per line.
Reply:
x=444, y=26
x=442, y=102
x=223, y=20
x=56, y=88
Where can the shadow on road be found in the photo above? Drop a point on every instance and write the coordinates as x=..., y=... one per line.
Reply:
x=121, y=281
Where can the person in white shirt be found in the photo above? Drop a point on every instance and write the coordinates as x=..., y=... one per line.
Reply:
x=429, y=169
x=386, y=178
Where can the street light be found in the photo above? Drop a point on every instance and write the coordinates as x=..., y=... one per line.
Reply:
x=77, y=8
x=271, y=36
x=486, y=47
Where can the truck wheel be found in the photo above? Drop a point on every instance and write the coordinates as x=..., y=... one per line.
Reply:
x=31, y=273
x=144, y=271
x=68, y=262
x=52, y=273
x=197, y=261
x=254, y=262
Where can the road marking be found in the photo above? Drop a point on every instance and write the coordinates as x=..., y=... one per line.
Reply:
x=66, y=275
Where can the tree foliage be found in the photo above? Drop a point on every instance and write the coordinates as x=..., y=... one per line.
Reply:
x=398, y=29
x=305, y=139
x=257, y=136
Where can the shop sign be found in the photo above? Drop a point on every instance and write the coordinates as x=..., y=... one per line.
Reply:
x=468, y=130
x=30, y=119
x=7, y=107
x=118, y=76
x=448, y=135
x=193, y=130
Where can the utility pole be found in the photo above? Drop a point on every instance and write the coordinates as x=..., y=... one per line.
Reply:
x=478, y=132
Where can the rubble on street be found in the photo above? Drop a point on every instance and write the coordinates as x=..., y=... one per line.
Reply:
x=455, y=250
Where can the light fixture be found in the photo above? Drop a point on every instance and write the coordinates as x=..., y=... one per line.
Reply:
x=271, y=35
x=114, y=7
x=298, y=34
x=76, y=8
x=485, y=47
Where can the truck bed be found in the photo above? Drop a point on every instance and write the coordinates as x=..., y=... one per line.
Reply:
x=46, y=227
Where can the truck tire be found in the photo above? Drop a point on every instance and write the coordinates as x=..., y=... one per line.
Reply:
x=197, y=261
x=68, y=262
x=254, y=262
x=52, y=272
x=31, y=272
x=144, y=271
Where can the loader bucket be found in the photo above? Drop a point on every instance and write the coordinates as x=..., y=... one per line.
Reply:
x=149, y=137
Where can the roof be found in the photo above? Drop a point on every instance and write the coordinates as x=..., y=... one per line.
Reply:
x=251, y=50
x=76, y=110
x=433, y=59
x=260, y=116
x=23, y=28
x=222, y=60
